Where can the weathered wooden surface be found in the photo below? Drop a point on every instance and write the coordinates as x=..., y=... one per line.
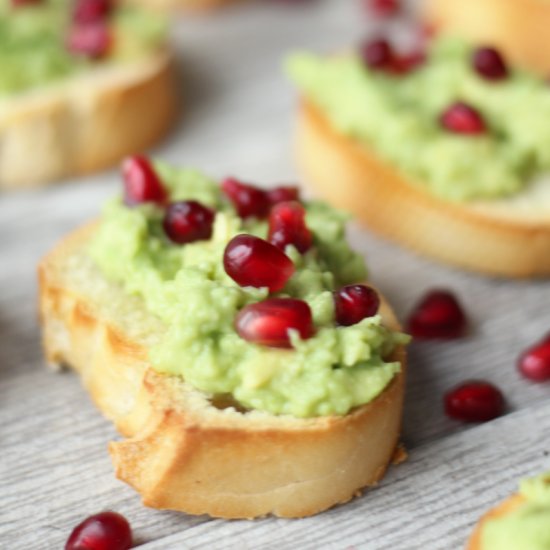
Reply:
x=54, y=468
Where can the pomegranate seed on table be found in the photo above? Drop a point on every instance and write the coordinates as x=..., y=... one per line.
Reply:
x=91, y=11
x=283, y=194
x=104, y=531
x=376, y=54
x=534, y=363
x=251, y=261
x=92, y=40
x=461, y=118
x=474, y=401
x=353, y=303
x=249, y=201
x=141, y=183
x=268, y=322
x=383, y=8
x=287, y=225
x=188, y=221
x=437, y=315
x=489, y=64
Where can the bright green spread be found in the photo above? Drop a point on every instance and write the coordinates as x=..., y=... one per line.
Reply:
x=528, y=526
x=398, y=117
x=187, y=288
x=33, y=42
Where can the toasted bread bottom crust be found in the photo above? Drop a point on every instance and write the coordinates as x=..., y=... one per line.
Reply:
x=518, y=28
x=502, y=509
x=351, y=177
x=86, y=124
x=204, y=460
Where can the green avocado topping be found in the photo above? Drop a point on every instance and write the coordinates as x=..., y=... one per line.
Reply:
x=33, y=39
x=187, y=288
x=398, y=116
x=526, y=527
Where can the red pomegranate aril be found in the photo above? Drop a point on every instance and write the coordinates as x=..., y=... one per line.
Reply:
x=283, y=194
x=287, y=225
x=489, y=64
x=377, y=54
x=104, y=531
x=91, y=11
x=534, y=363
x=437, y=315
x=474, y=401
x=188, y=221
x=251, y=261
x=141, y=183
x=249, y=201
x=405, y=63
x=462, y=118
x=383, y=8
x=91, y=40
x=268, y=322
x=353, y=303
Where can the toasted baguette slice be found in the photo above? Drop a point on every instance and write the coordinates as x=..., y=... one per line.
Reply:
x=507, y=237
x=183, y=450
x=85, y=123
x=519, y=28
x=509, y=505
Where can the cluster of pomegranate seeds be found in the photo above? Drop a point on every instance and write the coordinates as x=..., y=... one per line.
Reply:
x=287, y=225
x=188, y=221
x=353, y=303
x=91, y=11
x=461, y=118
x=252, y=202
x=383, y=8
x=251, y=261
x=489, y=64
x=141, y=183
x=534, y=363
x=268, y=322
x=474, y=401
x=378, y=55
x=104, y=531
x=437, y=315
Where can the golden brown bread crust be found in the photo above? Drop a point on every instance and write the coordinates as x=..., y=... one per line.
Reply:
x=87, y=123
x=352, y=177
x=198, y=458
x=502, y=509
x=519, y=28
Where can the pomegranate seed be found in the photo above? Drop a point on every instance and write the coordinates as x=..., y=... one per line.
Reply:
x=91, y=11
x=268, y=322
x=141, y=183
x=474, y=401
x=249, y=201
x=377, y=54
x=283, y=194
x=437, y=315
x=405, y=63
x=287, y=225
x=534, y=363
x=489, y=64
x=383, y=8
x=460, y=118
x=91, y=40
x=353, y=303
x=105, y=531
x=188, y=221
x=251, y=261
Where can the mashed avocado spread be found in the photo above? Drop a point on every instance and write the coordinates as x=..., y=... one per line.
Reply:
x=187, y=288
x=528, y=526
x=398, y=117
x=33, y=38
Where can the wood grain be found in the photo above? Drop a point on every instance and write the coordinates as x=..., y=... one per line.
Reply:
x=54, y=466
